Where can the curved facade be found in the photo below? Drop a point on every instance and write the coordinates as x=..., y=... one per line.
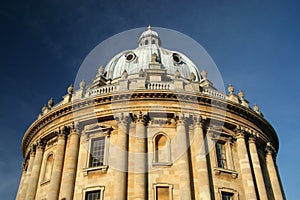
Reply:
x=150, y=127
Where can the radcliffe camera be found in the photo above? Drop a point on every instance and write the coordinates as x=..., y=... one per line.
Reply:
x=153, y=124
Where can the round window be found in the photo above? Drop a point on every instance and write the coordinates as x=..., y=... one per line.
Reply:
x=130, y=56
x=176, y=58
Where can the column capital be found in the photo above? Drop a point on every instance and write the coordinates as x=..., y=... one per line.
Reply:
x=122, y=118
x=32, y=150
x=199, y=121
x=252, y=138
x=62, y=132
x=270, y=149
x=180, y=119
x=240, y=132
x=40, y=144
x=140, y=117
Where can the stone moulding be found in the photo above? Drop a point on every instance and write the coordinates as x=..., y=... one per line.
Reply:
x=202, y=100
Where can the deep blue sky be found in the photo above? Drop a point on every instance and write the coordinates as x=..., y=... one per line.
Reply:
x=255, y=45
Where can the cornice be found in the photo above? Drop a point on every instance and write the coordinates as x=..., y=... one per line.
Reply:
x=148, y=95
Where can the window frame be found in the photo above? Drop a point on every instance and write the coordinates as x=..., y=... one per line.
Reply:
x=98, y=132
x=222, y=190
x=157, y=185
x=227, y=140
x=91, y=189
x=44, y=180
x=155, y=161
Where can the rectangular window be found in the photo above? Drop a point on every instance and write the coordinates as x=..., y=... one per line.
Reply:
x=92, y=195
x=221, y=155
x=162, y=193
x=227, y=196
x=97, y=152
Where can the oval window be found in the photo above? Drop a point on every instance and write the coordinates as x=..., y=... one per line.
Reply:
x=130, y=56
x=176, y=58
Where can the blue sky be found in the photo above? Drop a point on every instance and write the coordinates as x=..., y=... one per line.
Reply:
x=255, y=45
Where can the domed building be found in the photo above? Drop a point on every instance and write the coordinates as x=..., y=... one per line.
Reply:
x=150, y=126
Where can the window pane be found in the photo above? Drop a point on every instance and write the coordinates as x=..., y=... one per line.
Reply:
x=221, y=156
x=162, y=193
x=92, y=195
x=227, y=196
x=97, y=152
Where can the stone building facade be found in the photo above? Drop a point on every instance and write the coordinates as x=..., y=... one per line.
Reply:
x=150, y=126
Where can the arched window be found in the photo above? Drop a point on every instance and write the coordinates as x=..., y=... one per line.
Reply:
x=162, y=151
x=146, y=42
x=49, y=167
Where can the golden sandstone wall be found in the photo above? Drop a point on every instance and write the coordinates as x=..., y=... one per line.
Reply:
x=189, y=169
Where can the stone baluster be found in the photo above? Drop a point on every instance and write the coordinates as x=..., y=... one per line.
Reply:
x=70, y=165
x=120, y=180
x=272, y=170
x=54, y=186
x=257, y=168
x=202, y=189
x=138, y=159
x=35, y=171
x=245, y=168
x=183, y=161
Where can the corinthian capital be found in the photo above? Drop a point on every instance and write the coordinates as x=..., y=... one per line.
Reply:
x=40, y=144
x=141, y=117
x=180, y=119
x=122, y=118
x=240, y=132
x=270, y=149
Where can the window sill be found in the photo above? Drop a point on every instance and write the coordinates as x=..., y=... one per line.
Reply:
x=162, y=164
x=218, y=171
x=102, y=169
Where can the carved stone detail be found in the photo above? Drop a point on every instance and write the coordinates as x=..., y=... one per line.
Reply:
x=141, y=117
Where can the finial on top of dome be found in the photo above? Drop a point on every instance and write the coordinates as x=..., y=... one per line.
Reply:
x=149, y=27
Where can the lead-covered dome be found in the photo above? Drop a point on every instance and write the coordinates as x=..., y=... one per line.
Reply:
x=149, y=44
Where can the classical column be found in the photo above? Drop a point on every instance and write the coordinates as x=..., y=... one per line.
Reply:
x=138, y=160
x=257, y=169
x=245, y=168
x=70, y=165
x=21, y=186
x=201, y=180
x=120, y=181
x=35, y=171
x=183, y=161
x=274, y=179
x=57, y=165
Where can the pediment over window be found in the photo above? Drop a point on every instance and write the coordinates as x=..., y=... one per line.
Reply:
x=98, y=128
